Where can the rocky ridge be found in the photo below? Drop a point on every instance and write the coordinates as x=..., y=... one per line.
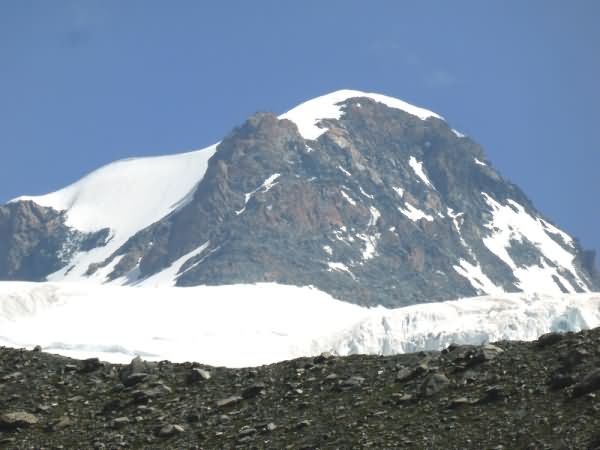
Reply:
x=517, y=395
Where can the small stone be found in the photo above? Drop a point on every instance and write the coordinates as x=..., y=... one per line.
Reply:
x=137, y=365
x=62, y=423
x=37, y=348
x=166, y=430
x=331, y=377
x=548, y=339
x=573, y=357
x=271, y=426
x=229, y=401
x=199, y=375
x=402, y=398
x=120, y=422
x=303, y=424
x=170, y=430
x=18, y=419
x=246, y=431
x=492, y=394
x=12, y=376
x=590, y=383
x=144, y=395
x=323, y=357
x=458, y=402
x=253, y=391
x=560, y=380
x=352, y=382
x=90, y=365
x=135, y=378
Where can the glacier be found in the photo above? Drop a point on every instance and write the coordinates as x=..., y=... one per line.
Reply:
x=251, y=325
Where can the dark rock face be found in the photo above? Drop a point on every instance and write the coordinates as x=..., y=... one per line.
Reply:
x=34, y=241
x=383, y=208
x=333, y=212
x=520, y=395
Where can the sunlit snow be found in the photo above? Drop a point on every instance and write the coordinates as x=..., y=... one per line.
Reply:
x=417, y=166
x=511, y=222
x=414, y=213
x=125, y=196
x=308, y=114
x=249, y=325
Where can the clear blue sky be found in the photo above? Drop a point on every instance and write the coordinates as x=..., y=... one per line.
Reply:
x=83, y=83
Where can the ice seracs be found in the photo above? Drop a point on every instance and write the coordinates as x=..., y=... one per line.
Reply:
x=250, y=325
x=308, y=114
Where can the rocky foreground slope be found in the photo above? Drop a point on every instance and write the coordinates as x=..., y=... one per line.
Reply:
x=542, y=394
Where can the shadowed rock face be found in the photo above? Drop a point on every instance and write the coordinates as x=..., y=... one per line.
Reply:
x=34, y=241
x=381, y=209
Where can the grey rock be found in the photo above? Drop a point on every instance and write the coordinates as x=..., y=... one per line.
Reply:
x=352, y=382
x=323, y=358
x=197, y=374
x=560, y=381
x=458, y=402
x=135, y=378
x=548, y=339
x=170, y=430
x=228, y=401
x=11, y=377
x=253, y=391
x=143, y=395
x=90, y=365
x=433, y=384
x=492, y=394
x=121, y=422
x=246, y=431
x=589, y=383
x=17, y=419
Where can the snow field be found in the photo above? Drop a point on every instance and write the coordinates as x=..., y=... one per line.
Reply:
x=250, y=325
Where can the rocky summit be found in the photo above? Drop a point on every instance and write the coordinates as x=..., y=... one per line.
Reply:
x=507, y=395
x=365, y=197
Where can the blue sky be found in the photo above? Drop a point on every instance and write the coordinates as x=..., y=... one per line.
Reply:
x=83, y=83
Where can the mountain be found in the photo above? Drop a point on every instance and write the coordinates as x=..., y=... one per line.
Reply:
x=368, y=198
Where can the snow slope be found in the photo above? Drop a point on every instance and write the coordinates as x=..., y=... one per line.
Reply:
x=308, y=114
x=249, y=325
x=125, y=196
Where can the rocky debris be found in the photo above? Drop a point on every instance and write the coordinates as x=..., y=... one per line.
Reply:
x=506, y=395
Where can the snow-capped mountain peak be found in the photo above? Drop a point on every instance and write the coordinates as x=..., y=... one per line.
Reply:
x=309, y=114
x=364, y=196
